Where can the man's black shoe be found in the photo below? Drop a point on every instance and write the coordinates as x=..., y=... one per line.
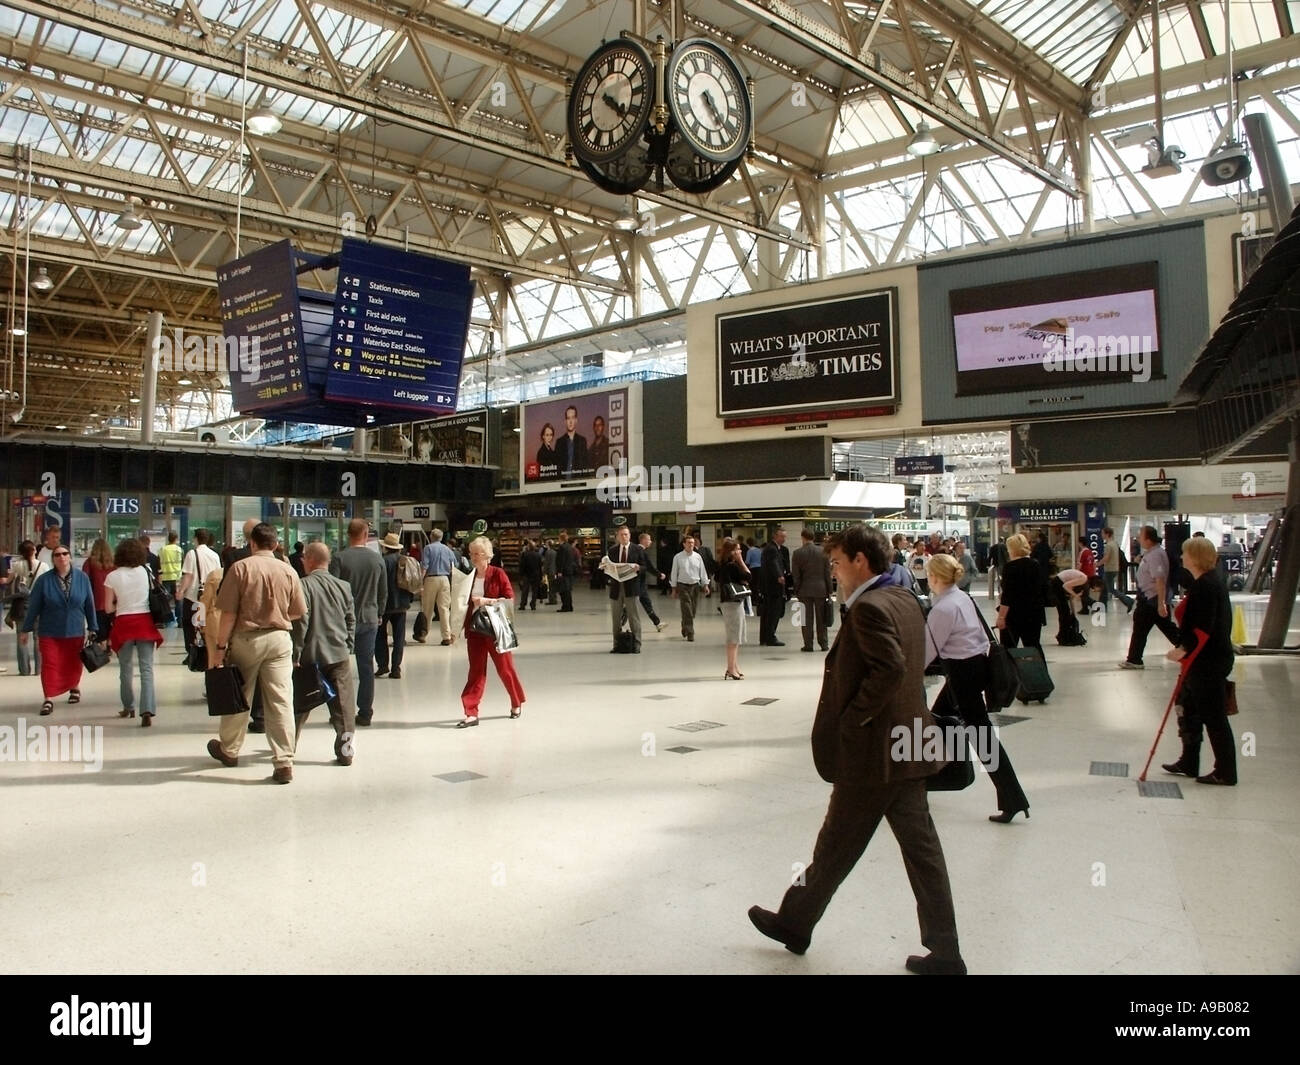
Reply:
x=363, y=720
x=257, y=725
x=769, y=924
x=931, y=965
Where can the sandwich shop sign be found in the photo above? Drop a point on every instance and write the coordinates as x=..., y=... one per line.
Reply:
x=810, y=356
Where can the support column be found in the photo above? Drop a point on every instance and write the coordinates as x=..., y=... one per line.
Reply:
x=1286, y=577
x=149, y=378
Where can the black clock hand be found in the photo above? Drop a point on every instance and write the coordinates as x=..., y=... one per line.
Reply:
x=708, y=99
x=615, y=105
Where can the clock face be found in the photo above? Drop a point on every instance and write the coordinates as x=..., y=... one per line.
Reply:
x=708, y=100
x=693, y=173
x=609, y=107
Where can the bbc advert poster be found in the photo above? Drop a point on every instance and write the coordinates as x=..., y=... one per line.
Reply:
x=573, y=437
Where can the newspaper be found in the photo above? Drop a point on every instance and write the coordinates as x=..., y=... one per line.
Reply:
x=619, y=571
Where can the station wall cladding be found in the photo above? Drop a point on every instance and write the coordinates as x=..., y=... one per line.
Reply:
x=663, y=414
x=139, y=469
x=1069, y=275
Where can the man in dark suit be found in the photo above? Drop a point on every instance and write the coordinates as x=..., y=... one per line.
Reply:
x=566, y=571
x=811, y=570
x=622, y=594
x=572, y=446
x=873, y=694
x=772, y=573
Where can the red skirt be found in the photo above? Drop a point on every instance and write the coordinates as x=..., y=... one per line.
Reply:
x=127, y=627
x=60, y=664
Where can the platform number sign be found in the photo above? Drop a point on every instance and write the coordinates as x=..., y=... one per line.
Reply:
x=1126, y=484
x=419, y=512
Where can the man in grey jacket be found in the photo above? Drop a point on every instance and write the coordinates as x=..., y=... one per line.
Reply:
x=364, y=571
x=326, y=637
x=812, y=585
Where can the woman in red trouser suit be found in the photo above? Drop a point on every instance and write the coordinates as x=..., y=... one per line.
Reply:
x=489, y=584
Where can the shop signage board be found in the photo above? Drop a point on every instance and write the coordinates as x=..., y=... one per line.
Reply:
x=809, y=356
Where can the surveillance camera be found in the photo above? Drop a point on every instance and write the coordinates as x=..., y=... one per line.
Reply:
x=1230, y=163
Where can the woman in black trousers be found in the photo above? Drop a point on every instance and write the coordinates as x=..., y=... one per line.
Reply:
x=954, y=634
x=1204, y=692
x=1021, y=610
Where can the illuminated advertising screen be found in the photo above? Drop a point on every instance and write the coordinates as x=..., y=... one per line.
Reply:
x=1041, y=333
x=572, y=437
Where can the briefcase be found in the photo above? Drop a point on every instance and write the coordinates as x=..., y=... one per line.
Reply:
x=224, y=687
x=309, y=688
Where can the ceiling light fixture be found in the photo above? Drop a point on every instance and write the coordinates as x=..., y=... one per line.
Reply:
x=922, y=142
x=128, y=219
x=264, y=123
x=185, y=381
x=60, y=427
x=42, y=282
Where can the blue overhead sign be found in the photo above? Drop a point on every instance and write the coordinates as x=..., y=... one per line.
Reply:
x=262, y=326
x=400, y=324
x=918, y=465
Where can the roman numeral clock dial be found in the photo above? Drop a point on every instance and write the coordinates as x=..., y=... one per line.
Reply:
x=708, y=101
x=609, y=107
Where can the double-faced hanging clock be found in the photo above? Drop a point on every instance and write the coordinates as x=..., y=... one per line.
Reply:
x=688, y=116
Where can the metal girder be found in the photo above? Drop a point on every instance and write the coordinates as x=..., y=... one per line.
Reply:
x=401, y=105
x=875, y=70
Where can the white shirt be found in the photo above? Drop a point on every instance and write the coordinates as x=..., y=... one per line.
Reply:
x=206, y=561
x=688, y=569
x=131, y=586
x=953, y=629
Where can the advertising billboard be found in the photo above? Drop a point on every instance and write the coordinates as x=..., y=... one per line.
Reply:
x=803, y=357
x=571, y=438
x=1040, y=333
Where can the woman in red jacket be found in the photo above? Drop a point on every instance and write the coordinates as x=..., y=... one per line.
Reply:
x=489, y=584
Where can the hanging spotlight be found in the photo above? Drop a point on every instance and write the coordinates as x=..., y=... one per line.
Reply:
x=42, y=282
x=628, y=222
x=264, y=123
x=128, y=219
x=922, y=142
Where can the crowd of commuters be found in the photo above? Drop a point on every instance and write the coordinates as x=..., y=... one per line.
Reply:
x=269, y=612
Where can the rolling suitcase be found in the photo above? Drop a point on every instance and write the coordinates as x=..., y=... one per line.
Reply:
x=1035, y=681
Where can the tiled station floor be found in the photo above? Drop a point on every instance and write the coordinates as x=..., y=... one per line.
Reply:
x=627, y=821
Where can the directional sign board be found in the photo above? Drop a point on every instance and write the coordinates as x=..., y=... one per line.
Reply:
x=400, y=322
x=262, y=325
x=917, y=465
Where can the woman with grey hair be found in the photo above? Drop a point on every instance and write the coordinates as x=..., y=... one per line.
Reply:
x=488, y=584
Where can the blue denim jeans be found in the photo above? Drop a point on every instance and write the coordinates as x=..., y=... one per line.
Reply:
x=29, y=656
x=363, y=649
x=143, y=651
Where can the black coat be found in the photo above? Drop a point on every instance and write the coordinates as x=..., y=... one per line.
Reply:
x=1208, y=608
x=772, y=571
x=530, y=565
x=1024, y=592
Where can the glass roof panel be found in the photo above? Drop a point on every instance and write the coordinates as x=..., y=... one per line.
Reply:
x=1070, y=34
x=524, y=15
